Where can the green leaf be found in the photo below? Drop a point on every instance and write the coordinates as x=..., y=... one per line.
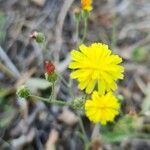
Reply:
x=35, y=84
x=138, y=54
x=114, y=137
x=127, y=126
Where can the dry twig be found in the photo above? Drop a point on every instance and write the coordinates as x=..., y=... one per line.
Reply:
x=59, y=27
x=9, y=63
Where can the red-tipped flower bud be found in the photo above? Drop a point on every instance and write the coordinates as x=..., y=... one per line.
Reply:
x=38, y=36
x=49, y=68
x=33, y=35
x=50, y=74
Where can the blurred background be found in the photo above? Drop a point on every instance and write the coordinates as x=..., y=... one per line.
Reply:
x=33, y=125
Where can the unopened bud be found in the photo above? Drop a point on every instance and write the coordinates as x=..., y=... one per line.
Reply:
x=78, y=103
x=50, y=74
x=49, y=67
x=23, y=91
x=38, y=36
x=77, y=13
x=51, y=77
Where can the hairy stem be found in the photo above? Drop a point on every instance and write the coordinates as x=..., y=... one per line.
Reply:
x=52, y=91
x=85, y=29
x=52, y=101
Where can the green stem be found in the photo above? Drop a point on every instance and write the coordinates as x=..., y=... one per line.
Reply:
x=83, y=130
x=113, y=37
x=85, y=29
x=52, y=91
x=57, y=102
x=77, y=31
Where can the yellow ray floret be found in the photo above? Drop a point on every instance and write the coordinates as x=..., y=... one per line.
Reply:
x=96, y=66
x=86, y=5
x=103, y=108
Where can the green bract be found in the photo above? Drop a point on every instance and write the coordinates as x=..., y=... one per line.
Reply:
x=23, y=91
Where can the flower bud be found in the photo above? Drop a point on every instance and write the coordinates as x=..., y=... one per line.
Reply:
x=23, y=91
x=50, y=74
x=86, y=5
x=51, y=78
x=49, y=67
x=77, y=13
x=78, y=103
x=38, y=36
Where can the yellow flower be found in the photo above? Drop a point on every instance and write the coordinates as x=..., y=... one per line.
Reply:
x=86, y=5
x=103, y=108
x=96, y=66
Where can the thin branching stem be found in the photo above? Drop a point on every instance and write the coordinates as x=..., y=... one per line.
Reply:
x=52, y=101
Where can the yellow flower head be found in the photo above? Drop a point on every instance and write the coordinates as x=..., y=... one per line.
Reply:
x=102, y=109
x=96, y=66
x=86, y=5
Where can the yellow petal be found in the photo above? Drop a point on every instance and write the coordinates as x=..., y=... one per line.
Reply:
x=90, y=86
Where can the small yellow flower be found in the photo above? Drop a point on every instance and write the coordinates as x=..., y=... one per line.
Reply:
x=96, y=66
x=86, y=5
x=103, y=108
